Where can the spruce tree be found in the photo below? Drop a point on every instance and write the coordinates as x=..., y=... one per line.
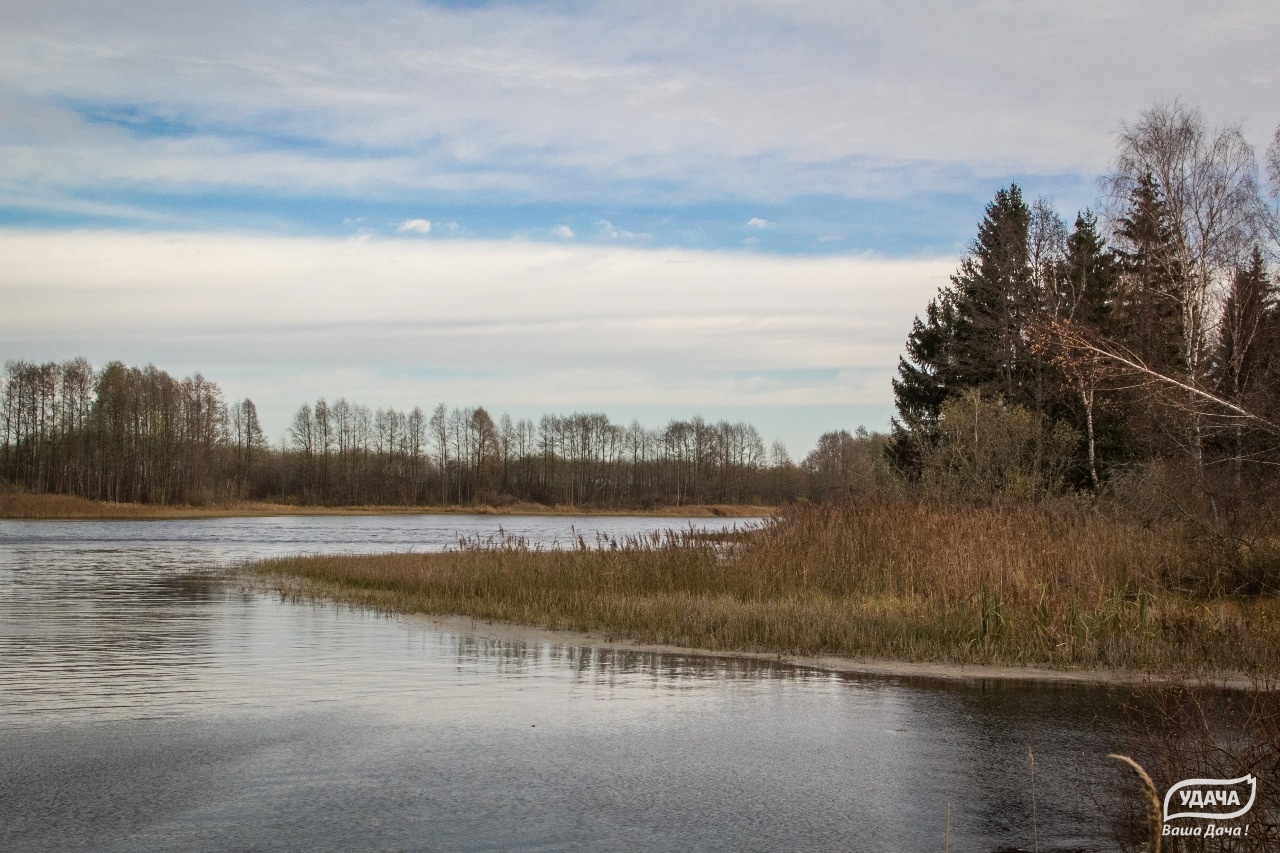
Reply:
x=1090, y=275
x=1242, y=347
x=973, y=333
x=1246, y=355
x=1149, y=308
x=1149, y=318
x=925, y=378
x=1089, y=279
x=995, y=302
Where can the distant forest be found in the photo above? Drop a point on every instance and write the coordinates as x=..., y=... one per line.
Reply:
x=138, y=434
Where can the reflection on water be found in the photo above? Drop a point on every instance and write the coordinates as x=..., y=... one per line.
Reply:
x=145, y=705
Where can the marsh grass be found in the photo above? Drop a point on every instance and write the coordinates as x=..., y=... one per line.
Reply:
x=37, y=506
x=879, y=580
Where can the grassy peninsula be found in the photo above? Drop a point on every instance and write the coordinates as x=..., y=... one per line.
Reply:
x=878, y=579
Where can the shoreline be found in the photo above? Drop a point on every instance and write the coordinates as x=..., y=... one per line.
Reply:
x=923, y=670
x=292, y=588
x=903, y=589
x=19, y=506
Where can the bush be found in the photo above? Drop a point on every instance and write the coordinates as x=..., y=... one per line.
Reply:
x=989, y=452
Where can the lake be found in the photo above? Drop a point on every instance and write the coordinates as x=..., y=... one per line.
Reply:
x=149, y=704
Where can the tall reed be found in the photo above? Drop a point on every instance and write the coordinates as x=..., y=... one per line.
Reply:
x=875, y=579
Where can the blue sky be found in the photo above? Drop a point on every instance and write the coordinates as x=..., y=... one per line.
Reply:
x=649, y=209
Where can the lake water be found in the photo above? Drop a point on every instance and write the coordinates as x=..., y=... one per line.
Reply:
x=146, y=704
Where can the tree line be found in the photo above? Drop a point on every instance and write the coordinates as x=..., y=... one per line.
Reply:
x=1135, y=353
x=1146, y=340
x=140, y=435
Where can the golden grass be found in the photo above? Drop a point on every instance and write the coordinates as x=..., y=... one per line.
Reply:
x=38, y=506
x=1155, y=818
x=22, y=505
x=874, y=580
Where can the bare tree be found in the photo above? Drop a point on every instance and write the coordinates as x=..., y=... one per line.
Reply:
x=1273, y=174
x=440, y=434
x=1047, y=256
x=1101, y=357
x=1209, y=185
x=415, y=449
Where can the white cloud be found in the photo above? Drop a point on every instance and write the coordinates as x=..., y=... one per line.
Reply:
x=414, y=226
x=886, y=99
x=563, y=231
x=499, y=323
x=608, y=229
x=757, y=222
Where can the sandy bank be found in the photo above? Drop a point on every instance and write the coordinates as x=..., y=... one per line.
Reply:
x=509, y=633
x=27, y=506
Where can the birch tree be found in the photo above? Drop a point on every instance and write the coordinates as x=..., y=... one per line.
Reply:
x=1208, y=186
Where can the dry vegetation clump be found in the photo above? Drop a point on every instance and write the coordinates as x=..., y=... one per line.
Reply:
x=875, y=579
x=15, y=504
x=1186, y=731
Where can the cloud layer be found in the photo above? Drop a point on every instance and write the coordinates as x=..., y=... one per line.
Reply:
x=510, y=325
x=655, y=205
x=617, y=103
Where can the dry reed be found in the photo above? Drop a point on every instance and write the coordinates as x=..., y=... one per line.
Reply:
x=888, y=580
x=1155, y=822
x=1190, y=730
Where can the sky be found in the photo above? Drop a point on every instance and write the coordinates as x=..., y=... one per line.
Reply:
x=651, y=209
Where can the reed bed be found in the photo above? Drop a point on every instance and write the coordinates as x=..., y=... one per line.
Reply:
x=37, y=506
x=876, y=580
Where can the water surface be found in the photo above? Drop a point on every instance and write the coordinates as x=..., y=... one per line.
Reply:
x=147, y=705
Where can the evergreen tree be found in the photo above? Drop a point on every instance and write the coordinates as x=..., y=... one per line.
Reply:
x=925, y=375
x=973, y=333
x=1242, y=335
x=995, y=302
x=925, y=381
x=1089, y=275
x=1089, y=280
x=1149, y=308
x=1149, y=315
x=1246, y=354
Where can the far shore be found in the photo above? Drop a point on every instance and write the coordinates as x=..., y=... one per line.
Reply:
x=18, y=505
